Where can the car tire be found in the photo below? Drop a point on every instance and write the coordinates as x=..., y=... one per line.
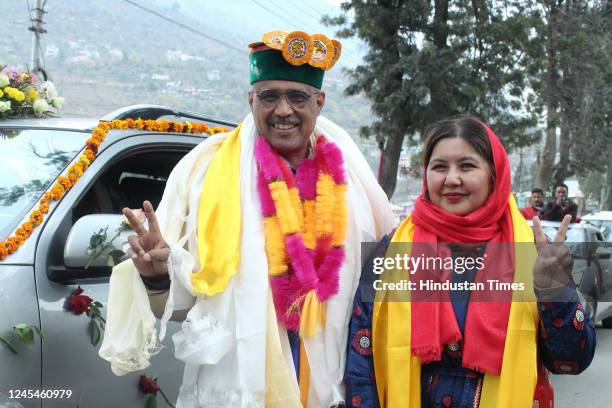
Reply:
x=607, y=323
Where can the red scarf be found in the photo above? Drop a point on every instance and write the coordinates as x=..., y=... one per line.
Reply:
x=433, y=323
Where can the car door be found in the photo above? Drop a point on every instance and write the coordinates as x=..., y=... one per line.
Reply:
x=69, y=361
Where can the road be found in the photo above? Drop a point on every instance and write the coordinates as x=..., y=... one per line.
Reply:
x=592, y=388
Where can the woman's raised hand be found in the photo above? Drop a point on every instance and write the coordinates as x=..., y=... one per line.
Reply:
x=553, y=266
x=148, y=249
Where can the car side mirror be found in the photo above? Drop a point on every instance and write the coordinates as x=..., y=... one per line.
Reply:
x=89, y=231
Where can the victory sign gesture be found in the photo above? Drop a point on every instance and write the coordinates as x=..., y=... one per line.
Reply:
x=554, y=263
x=148, y=249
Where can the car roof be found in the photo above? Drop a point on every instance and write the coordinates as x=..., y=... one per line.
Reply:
x=601, y=215
x=134, y=111
x=82, y=124
x=557, y=224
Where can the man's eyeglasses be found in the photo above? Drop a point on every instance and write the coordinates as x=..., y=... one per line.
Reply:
x=270, y=98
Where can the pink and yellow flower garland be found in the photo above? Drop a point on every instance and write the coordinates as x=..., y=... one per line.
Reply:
x=64, y=183
x=305, y=220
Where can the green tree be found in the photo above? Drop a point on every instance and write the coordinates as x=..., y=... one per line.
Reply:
x=426, y=62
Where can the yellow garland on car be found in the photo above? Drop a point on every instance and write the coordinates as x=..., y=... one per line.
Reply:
x=64, y=183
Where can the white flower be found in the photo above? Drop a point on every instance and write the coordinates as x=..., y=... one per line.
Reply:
x=48, y=90
x=57, y=102
x=40, y=106
x=5, y=106
x=140, y=215
x=4, y=81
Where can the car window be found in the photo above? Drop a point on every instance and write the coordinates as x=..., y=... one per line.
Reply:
x=30, y=160
x=128, y=182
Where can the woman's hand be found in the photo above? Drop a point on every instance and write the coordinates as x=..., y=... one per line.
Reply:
x=553, y=266
x=148, y=249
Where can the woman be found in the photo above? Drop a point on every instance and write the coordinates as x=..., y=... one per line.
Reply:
x=467, y=350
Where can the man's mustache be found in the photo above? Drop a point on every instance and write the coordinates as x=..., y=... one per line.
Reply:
x=289, y=120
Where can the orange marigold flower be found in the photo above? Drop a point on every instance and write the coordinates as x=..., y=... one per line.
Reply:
x=44, y=207
x=98, y=134
x=47, y=196
x=19, y=240
x=90, y=154
x=92, y=144
x=28, y=228
x=200, y=128
x=104, y=126
x=73, y=178
x=3, y=251
x=139, y=123
x=179, y=127
x=11, y=244
x=130, y=123
x=58, y=191
x=36, y=217
x=65, y=182
x=76, y=169
x=20, y=232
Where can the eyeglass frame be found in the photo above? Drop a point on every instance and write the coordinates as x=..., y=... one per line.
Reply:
x=284, y=95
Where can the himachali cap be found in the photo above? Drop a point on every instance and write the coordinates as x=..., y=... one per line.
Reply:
x=296, y=56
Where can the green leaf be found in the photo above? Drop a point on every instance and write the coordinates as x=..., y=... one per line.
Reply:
x=94, y=332
x=38, y=331
x=117, y=254
x=96, y=304
x=150, y=401
x=24, y=333
x=8, y=344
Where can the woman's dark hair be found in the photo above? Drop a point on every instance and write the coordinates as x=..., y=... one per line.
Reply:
x=466, y=127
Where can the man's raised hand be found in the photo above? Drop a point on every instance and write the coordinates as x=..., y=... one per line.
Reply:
x=148, y=249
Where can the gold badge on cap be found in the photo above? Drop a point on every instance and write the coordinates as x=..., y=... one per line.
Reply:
x=297, y=48
x=322, y=51
x=275, y=39
x=337, y=50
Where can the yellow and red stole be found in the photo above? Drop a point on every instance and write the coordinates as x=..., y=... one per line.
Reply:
x=398, y=372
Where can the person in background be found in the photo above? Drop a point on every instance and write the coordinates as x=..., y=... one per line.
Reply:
x=536, y=204
x=561, y=205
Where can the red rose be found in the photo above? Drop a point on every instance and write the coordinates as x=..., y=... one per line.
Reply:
x=77, y=303
x=147, y=385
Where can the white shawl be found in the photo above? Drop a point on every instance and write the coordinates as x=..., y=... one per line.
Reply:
x=223, y=339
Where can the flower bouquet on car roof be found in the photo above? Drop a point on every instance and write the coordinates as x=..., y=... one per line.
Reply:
x=22, y=94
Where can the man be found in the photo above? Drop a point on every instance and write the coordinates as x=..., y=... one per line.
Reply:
x=258, y=237
x=536, y=204
x=561, y=205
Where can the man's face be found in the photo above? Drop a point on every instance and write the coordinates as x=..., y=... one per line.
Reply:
x=286, y=124
x=537, y=200
x=560, y=192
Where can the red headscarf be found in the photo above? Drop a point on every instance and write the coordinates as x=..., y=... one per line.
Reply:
x=434, y=323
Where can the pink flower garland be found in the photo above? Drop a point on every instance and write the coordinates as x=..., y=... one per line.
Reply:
x=316, y=269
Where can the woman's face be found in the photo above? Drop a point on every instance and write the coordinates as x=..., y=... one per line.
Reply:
x=458, y=178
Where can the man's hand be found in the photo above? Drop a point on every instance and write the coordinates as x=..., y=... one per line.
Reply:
x=148, y=249
x=554, y=263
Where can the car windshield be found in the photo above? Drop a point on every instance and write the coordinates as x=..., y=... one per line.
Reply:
x=30, y=160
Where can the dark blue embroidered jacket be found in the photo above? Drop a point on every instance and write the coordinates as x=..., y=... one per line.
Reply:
x=566, y=340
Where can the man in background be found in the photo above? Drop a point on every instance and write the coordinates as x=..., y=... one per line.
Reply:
x=536, y=204
x=560, y=206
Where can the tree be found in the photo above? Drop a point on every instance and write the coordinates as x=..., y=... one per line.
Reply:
x=425, y=64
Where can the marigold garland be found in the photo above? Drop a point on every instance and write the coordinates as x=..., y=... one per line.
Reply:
x=65, y=182
x=304, y=258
